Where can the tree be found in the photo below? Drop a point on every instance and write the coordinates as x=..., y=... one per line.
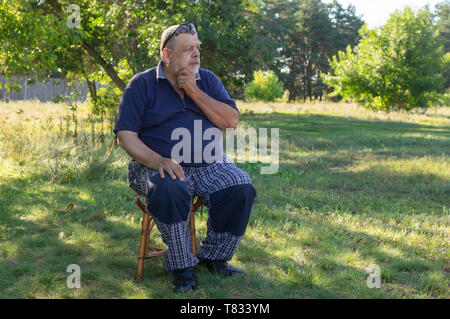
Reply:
x=116, y=39
x=300, y=37
x=396, y=66
x=443, y=24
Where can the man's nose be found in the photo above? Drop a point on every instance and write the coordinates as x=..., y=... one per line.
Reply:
x=196, y=52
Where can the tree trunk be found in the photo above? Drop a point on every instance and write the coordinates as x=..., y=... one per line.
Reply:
x=106, y=66
x=308, y=79
x=320, y=87
x=92, y=90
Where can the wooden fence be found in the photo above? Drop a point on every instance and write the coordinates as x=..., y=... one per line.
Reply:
x=43, y=91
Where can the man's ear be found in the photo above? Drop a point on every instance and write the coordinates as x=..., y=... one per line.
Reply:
x=166, y=56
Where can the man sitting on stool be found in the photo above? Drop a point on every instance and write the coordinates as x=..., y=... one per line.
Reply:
x=179, y=94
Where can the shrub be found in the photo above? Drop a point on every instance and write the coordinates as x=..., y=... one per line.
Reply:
x=398, y=66
x=264, y=87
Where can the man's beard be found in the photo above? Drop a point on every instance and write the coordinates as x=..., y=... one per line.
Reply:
x=194, y=67
x=191, y=67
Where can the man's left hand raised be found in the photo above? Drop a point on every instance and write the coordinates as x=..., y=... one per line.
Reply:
x=186, y=81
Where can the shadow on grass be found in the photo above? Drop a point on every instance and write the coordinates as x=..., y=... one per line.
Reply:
x=42, y=239
x=327, y=266
x=376, y=190
x=321, y=132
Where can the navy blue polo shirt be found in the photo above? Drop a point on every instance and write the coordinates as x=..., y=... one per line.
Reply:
x=152, y=108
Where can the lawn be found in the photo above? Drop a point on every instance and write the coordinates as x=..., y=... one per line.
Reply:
x=354, y=188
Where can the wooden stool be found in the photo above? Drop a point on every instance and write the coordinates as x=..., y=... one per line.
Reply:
x=147, y=225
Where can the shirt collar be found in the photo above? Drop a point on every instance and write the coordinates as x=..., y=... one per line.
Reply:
x=160, y=73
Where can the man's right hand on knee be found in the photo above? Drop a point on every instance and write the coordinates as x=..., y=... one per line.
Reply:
x=131, y=143
x=171, y=167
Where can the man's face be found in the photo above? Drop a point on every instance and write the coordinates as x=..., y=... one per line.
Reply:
x=186, y=53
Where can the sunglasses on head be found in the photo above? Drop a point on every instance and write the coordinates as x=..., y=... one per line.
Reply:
x=183, y=28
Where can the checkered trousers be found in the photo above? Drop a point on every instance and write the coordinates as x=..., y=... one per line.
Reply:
x=201, y=181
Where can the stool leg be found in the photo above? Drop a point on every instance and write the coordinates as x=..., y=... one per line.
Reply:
x=143, y=245
x=147, y=235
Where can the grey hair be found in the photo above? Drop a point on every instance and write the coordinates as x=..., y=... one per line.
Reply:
x=165, y=35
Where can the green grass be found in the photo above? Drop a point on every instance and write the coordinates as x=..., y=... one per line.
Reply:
x=354, y=188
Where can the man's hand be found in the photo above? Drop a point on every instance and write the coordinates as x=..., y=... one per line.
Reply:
x=170, y=166
x=186, y=81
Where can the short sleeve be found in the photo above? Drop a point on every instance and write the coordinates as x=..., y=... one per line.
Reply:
x=218, y=91
x=130, y=116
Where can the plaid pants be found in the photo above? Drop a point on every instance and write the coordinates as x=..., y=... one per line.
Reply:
x=228, y=194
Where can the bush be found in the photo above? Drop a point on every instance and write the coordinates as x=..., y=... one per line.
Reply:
x=264, y=87
x=444, y=99
x=398, y=66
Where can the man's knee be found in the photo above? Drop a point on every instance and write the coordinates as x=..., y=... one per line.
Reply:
x=168, y=200
x=245, y=193
x=231, y=208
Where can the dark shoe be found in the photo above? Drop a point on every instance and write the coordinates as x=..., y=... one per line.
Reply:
x=183, y=279
x=221, y=267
